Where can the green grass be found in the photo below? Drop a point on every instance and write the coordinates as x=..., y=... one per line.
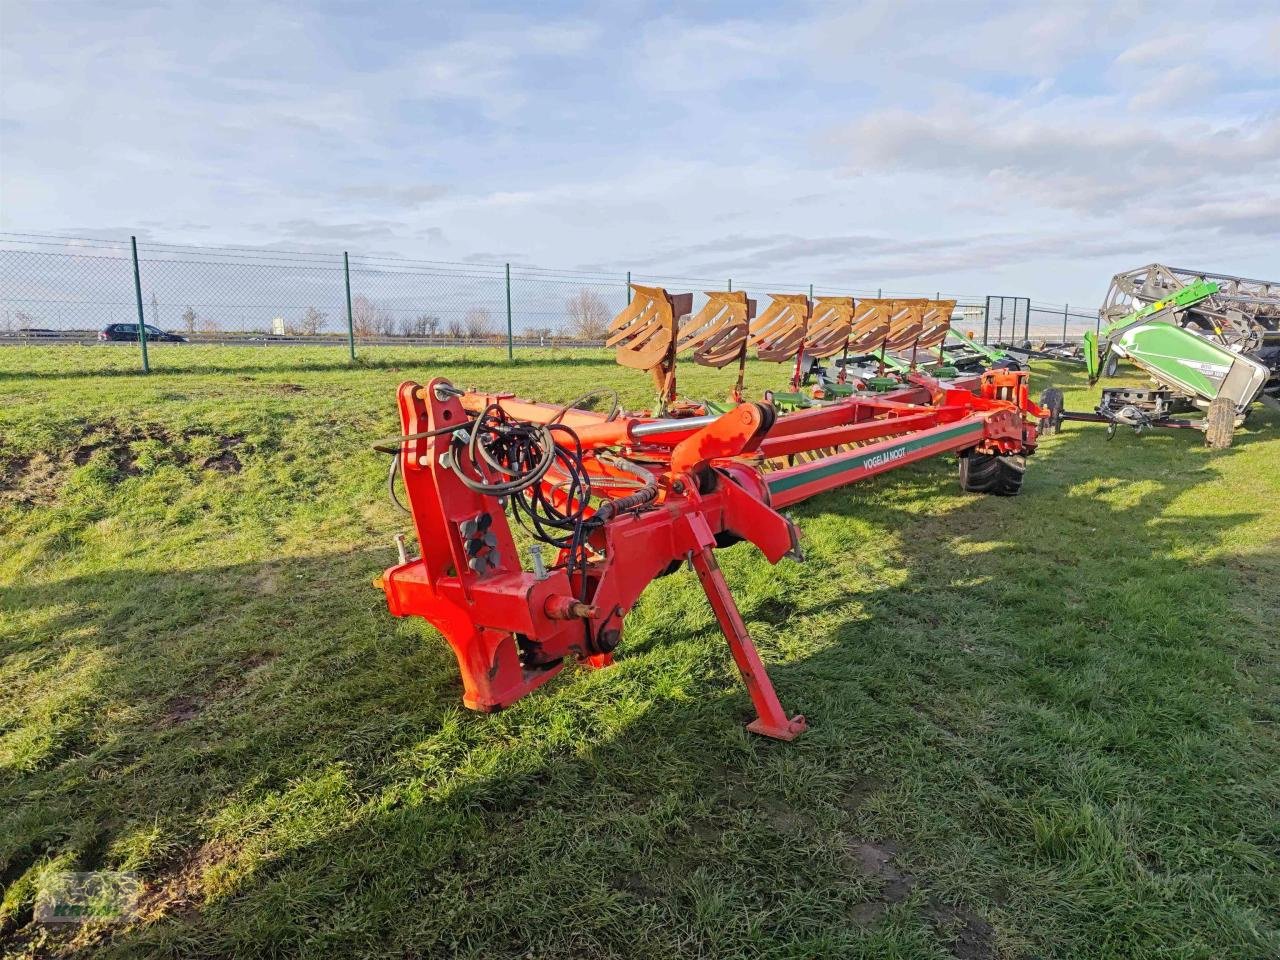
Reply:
x=1041, y=727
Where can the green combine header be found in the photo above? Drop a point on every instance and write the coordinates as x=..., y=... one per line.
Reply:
x=1202, y=351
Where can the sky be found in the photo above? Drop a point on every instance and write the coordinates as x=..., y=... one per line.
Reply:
x=1024, y=149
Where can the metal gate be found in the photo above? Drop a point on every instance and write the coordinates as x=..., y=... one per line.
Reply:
x=1003, y=316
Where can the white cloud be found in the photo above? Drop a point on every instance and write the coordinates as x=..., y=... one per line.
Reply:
x=1176, y=84
x=1039, y=147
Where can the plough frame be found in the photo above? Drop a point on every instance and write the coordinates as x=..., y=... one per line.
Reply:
x=662, y=491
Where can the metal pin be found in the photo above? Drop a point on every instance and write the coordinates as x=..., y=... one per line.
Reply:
x=539, y=568
x=404, y=555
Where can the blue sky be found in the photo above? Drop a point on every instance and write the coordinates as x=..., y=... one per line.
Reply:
x=1033, y=149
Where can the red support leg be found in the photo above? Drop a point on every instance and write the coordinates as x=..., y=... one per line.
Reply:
x=771, y=720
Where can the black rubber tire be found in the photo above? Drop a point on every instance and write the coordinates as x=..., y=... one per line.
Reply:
x=1219, y=423
x=1051, y=400
x=990, y=473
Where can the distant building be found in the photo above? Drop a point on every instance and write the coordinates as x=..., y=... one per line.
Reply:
x=277, y=326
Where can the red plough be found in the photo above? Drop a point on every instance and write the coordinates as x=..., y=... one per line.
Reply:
x=623, y=500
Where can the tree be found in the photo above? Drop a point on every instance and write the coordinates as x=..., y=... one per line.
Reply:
x=588, y=316
x=189, y=320
x=478, y=322
x=366, y=320
x=423, y=325
x=311, y=322
x=455, y=329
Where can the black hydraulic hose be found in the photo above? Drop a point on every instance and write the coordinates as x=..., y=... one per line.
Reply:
x=645, y=494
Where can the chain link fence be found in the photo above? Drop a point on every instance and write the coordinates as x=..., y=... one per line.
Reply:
x=59, y=289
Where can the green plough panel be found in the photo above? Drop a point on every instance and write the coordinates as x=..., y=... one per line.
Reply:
x=882, y=384
x=979, y=348
x=787, y=402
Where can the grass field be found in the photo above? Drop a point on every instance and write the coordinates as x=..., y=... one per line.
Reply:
x=1044, y=726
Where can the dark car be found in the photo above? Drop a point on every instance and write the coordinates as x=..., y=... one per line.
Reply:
x=129, y=331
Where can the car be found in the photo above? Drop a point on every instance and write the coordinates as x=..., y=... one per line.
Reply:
x=129, y=331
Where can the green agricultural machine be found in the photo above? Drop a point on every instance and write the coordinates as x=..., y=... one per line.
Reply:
x=1209, y=343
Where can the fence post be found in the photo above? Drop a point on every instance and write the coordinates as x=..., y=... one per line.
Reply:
x=351, y=323
x=510, y=340
x=811, y=293
x=879, y=293
x=142, y=323
x=1026, y=322
x=986, y=320
x=1064, y=321
x=731, y=284
x=628, y=288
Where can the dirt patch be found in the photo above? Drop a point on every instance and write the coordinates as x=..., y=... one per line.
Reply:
x=868, y=913
x=186, y=707
x=35, y=480
x=225, y=460
x=288, y=388
x=707, y=833
x=876, y=860
x=967, y=934
x=176, y=890
x=255, y=663
x=180, y=710
x=115, y=440
x=641, y=887
x=857, y=793
x=783, y=817
x=267, y=581
x=29, y=481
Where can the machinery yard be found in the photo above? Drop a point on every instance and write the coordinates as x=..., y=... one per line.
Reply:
x=1039, y=726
